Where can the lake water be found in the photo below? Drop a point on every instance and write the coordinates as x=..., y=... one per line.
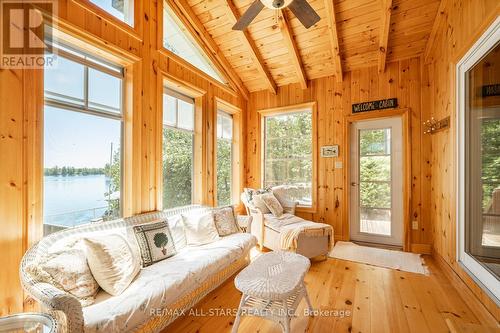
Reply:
x=74, y=200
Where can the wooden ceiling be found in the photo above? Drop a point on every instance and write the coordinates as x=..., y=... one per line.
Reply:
x=277, y=50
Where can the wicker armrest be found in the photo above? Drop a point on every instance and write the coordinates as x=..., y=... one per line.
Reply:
x=53, y=300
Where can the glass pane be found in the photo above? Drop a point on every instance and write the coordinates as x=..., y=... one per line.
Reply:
x=169, y=110
x=227, y=127
x=375, y=142
x=179, y=41
x=219, y=125
x=177, y=168
x=483, y=163
x=105, y=91
x=375, y=194
x=288, y=154
x=82, y=161
x=121, y=9
x=65, y=81
x=186, y=115
x=375, y=168
x=224, y=172
x=375, y=221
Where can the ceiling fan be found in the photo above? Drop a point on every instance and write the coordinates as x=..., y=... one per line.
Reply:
x=302, y=10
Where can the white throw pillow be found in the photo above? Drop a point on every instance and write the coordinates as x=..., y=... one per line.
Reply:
x=259, y=203
x=177, y=230
x=112, y=262
x=273, y=204
x=200, y=228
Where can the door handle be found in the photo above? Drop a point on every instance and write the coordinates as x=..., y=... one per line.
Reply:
x=354, y=184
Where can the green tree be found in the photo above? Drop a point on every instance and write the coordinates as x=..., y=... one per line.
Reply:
x=161, y=241
x=114, y=173
x=224, y=168
x=177, y=167
x=490, y=140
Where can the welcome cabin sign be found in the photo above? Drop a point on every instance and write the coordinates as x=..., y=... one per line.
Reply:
x=375, y=105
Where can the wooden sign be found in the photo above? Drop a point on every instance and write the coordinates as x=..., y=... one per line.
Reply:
x=491, y=90
x=375, y=105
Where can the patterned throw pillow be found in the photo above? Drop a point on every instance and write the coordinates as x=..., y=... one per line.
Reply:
x=225, y=221
x=155, y=242
x=67, y=270
x=273, y=204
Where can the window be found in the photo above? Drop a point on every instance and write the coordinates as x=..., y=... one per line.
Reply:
x=82, y=140
x=178, y=149
x=224, y=158
x=121, y=9
x=288, y=153
x=179, y=41
x=479, y=160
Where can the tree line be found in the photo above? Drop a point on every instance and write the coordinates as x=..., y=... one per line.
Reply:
x=72, y=171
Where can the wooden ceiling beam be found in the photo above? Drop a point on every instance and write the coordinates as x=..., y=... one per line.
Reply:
x=440, y=16
x=198, y=31
x=234, y=16
x=293, y=50
x=334, y=38
x=384, y=34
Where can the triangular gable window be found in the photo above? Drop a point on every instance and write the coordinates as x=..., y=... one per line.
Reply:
x=177, y=39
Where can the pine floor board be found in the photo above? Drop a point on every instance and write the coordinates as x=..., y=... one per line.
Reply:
x=379, y=300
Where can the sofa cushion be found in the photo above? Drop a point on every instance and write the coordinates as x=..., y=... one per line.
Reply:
x=155, y=242
x=112, y=262
x=200, y=228
x=225, y=222
x=177, y=230
x=164, y=283
x=272, y=204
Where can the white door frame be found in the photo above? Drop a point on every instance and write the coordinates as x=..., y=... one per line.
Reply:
x=487, y=281
x=397, y=190
x=404, y=113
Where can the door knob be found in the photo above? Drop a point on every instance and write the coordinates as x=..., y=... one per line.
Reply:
x=354, y=184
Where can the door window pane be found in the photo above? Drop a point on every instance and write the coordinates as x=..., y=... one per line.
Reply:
x=375, y=181
x=482, y=168
x=224, y=158
x=288, y=154
x=178, y=150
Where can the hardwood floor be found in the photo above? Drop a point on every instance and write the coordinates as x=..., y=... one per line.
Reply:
x=364, y=298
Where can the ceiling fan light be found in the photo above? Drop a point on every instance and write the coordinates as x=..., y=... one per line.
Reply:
x=276, y=4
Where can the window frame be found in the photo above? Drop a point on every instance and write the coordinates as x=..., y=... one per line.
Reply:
x=191, y=100
x=85, y=58
x=224, y=114
x=237, y=148
x=486, y=280
x=291, y=109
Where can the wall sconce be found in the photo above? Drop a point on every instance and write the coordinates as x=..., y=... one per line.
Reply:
x=432, y=126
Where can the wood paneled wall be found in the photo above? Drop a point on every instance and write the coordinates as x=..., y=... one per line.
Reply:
x=402, y=80
x=463, y=22
x=21, y=124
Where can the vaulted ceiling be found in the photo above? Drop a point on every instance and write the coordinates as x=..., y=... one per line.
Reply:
x=277, y=50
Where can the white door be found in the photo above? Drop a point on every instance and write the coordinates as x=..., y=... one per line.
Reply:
x=376, y=198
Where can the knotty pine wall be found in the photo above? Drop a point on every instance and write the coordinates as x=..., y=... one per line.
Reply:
x=21, y=123
x=402, y=80
x=463, y=23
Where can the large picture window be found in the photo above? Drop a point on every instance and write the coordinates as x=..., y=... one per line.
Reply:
x=479, y=160
x=224, y=158
x=178, y=149
x=288, y=153
x=82, y=140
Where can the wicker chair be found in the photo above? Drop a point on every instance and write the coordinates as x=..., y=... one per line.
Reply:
x=67, y=310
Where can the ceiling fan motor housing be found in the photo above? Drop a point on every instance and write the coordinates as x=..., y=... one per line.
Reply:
x=276, y=4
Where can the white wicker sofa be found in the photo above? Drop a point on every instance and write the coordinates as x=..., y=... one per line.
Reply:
x=157, y=296
x=268, y=229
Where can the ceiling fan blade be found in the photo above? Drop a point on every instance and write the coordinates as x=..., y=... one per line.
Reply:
x=249, y=15
x=304, y=12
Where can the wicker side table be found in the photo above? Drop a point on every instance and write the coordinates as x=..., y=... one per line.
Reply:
x=272, y=287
